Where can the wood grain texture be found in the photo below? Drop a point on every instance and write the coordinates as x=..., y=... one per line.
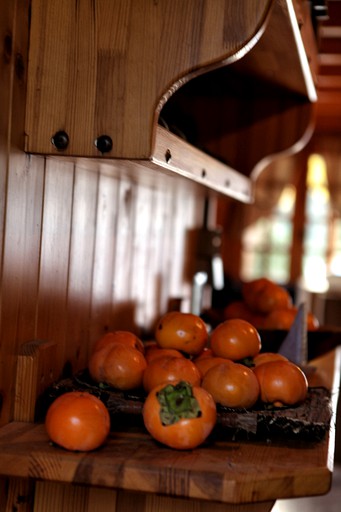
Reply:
x=19, y=223
x=220, y=470
x=106, y=66
x=54, y=257
x=19, y=494
x=76, y=251
x=81, y=267
x=69, y=267
x=15, y=494
x=55, y=497
x=115, y=81
x=225, y=471
x=34, y=373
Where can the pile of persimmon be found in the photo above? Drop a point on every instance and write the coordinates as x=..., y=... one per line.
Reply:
x=266, y=305
x=237, y=382
x=185, y=372
x=224, y=362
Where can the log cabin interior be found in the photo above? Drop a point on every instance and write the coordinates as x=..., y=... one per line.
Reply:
x=135, y=154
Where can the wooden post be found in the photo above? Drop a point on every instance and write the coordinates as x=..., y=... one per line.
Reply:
x=34, y=374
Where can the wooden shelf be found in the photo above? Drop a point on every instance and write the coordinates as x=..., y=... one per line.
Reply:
x=172, y=154
x=222, y=471
x=232, y=77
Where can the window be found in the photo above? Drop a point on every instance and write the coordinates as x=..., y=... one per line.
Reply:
x=267, y=241
x=335, y=260
x=317, y=226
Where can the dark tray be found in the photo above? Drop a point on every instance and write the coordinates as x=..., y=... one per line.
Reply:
x=308, y=421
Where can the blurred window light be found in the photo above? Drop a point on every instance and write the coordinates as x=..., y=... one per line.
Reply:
x=317, y=172
x=286, y=200
x=315, y=274
x=335, y=265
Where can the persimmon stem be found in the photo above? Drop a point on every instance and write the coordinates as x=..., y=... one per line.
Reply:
x=177, y=402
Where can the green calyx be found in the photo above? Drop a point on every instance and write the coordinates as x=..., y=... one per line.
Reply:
x=247, y=361
x=177, y=402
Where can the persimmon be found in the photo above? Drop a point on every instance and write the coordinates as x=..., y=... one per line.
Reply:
x=179, y=415
x=182, y=331
x=283, y=318
x=253, y=287
x=170, y=369
x=281, y=383
x=206, y=352
x=118, y=365
x=238, y=309
x=77, y=421
x=264, y=357
x=155, y=352
x=263, y=295
x=235, y=339
x=96, y=362
x=124, y=337
x=232, y=385
x=206, y=363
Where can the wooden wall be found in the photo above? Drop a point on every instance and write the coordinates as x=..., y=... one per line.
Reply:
x=86, y=247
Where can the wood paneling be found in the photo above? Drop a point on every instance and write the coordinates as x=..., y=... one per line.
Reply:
x=86, y=247
x=19, y=220
x=77, y=264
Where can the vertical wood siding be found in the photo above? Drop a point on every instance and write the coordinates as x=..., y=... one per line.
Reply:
x=85, y=248
x=83, y=253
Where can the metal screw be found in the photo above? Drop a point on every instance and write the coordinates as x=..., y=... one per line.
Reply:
x=104, y=143
x=60, y=140
x=168, y=155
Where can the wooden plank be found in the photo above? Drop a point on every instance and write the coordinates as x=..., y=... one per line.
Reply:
x=123, y=306
x=19, y=286
x=226, y=471
x=34, y=374
x=23, y=183
x=19, y=494
x=173, y=154
x=140, y=251
x=54, y=258
x=82, y=242
x=6, y=84
x=55, y=497
x=18, y=186
x=104, y=256
x=160, y=259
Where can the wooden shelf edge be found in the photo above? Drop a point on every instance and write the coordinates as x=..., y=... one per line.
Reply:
x=175, y=155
